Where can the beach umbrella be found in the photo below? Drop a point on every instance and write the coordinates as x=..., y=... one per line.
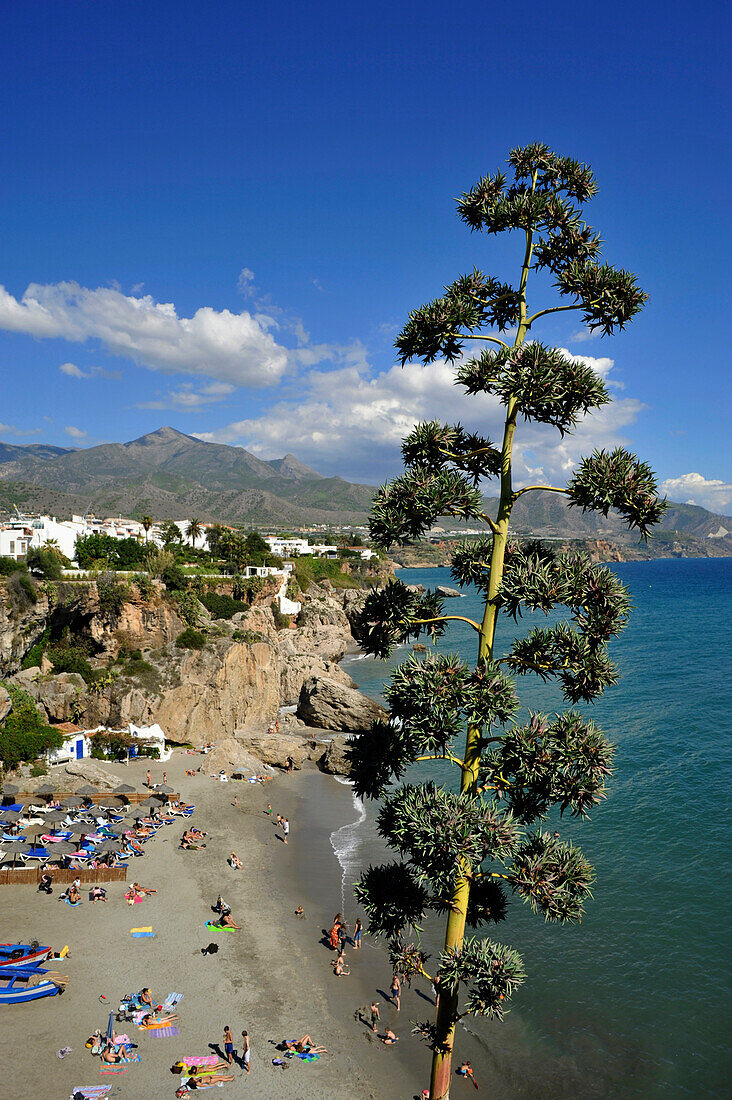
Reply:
x=17, y=848
x=11, y=816
x=55, y=815
x=107, y=846
x=45, y=789
x=87, y=790
x=124, y=788
x=112, y=803
x=151, y=803
x=10, y=789
x=79, y=828
x=60, y=848
x=110, y=1028
x=165, y=789
x=72, y=802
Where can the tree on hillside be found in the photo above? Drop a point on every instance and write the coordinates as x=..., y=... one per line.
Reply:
x=193, y=531
x=147, y=522
x=465, y=848
x=170, y=533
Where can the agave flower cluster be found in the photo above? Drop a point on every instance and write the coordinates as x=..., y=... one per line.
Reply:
x=466, y=849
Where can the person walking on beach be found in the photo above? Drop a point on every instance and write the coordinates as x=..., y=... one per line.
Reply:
x=285, y=828
x=357, y=933
x=228, y=1044
x=396, y=989
x=375, y=1017
x=246, y=1050
x=148, y=779
x=165, y=778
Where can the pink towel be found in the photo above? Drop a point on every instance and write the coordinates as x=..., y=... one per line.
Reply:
x=201, y=1060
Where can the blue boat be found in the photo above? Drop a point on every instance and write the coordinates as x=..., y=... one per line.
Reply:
x=23, y=954
x=26, y=983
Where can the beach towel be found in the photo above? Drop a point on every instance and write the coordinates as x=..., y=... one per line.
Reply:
x=308, y=1057
x=164, y=1032
x=113, y=1069
x=142, y=933
x=172, y=1000
x=221, y=927
x=89, y=1092
x=201, y=1060
x=73, y=904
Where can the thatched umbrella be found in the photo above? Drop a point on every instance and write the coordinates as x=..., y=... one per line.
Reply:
x=45, y=789
x=60, y=849
x=124, y=788
x=11, y=816
x=107, y=846
x=55, y=815
x=15, y=848
x=87, y=790
x=112, y=804
x=72, y=802
x=165, y=789
x=9, y=791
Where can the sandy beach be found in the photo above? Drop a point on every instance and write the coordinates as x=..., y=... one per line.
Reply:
x=273, y=978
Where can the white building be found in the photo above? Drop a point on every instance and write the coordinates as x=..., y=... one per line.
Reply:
x=15, y=540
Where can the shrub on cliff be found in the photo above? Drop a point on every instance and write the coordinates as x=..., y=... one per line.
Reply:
x=222, y=606
x=190, y=638
x=24, y=735
x=46, y=563
x=10, y=565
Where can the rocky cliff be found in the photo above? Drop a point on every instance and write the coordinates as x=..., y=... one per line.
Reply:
x=129, y=663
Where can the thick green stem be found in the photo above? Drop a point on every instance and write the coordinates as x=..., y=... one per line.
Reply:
x=447, y=1007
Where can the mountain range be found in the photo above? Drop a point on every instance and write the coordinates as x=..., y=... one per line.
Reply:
x=170, y=475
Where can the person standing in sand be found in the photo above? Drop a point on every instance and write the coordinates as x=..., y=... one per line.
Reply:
x=396, y=989
x=148, y=779
x=246, y=1050
x=285, y=829
x=229, y=1044
x=375, y=1017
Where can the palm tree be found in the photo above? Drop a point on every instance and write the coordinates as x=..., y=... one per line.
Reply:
x=193, y=531
x=147, y=522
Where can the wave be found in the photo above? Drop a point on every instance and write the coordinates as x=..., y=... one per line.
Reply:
x=346, y=842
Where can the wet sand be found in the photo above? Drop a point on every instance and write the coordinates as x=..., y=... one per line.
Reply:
x=272, y=978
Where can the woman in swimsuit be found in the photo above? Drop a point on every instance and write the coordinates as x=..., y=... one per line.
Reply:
x=396, y=988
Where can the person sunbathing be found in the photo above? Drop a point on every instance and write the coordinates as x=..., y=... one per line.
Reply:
x=109, y=1054
x=98, y=893
x=235, y=862
x=155, y=1019
x=190, y=841
x=142, y=891
x=227, y=921
x=145, y=998
x=305, y=1045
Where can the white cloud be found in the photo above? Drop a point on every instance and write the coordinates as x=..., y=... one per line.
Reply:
x=186, y=399
x=232, y=347
x=72, y=370
x=75, y=433
x=11, y=429
x=349, y=422
x=245, y=282
x=76, y=372
x=695, y=489
x=585, y=334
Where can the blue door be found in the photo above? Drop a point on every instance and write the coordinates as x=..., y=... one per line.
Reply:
x=79, y=748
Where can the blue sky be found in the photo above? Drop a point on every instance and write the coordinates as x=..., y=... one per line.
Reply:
x=218, y=215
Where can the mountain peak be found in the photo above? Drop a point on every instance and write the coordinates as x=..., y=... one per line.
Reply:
x=292, y=467
x=166, y=434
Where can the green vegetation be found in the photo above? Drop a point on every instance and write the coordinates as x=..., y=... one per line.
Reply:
x=249, y=636
x=222, y=606
x=308, y=570
x=188, y=607
x=46, y=563
x=190, y=639
x=95, y=551
x=112, y=593
x=24, y=735
x=466, y=848
x=71, y=658
x=9, y=566
x=281, y=621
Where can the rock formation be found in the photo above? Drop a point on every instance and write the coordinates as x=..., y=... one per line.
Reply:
x=329, y=705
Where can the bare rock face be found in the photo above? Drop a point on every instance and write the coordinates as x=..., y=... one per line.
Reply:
x=232, y=756
x=224, y=687
x=274, y=748
x=59, y=695
x=5, y=704
x=327, y=704
x=335, y=759
x=19, y=629
x=88, y=771
x=311, y=651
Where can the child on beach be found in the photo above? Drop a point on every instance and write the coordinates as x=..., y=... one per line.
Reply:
x=229, y=1044
x=246, y=1050
x=375, y=1017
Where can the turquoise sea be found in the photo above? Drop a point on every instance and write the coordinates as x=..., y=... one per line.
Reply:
x=634, y=1002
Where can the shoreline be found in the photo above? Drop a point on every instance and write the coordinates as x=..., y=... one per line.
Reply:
x=272, y=978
